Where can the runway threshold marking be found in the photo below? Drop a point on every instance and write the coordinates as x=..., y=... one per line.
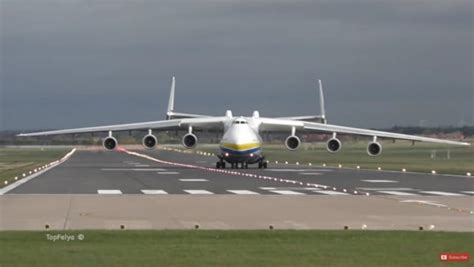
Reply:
x=440, y=193
x=109, y=192
x=286, y=192
x=332, y=193
x=397, y=193
x=154, y=192
x=243, y=192
x=194, y=180
x=379, y=181
x=247, y=175
x=198, y=192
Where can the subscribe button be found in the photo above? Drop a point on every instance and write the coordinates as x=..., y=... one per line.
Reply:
x=455, y=257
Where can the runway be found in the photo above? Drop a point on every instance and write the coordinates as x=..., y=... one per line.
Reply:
x=170, y=172
x=165, y=189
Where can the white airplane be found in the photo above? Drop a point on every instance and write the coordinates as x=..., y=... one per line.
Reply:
x=241, y=143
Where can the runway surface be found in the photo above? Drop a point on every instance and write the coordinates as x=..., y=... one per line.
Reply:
x=170, y=172
x=165, y=189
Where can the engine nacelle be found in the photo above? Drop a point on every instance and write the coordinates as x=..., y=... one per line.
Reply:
x=374, y=149
x=110, y=143
x=149, y=141
x=333, y=145
x=292, y=142
x=189, y=140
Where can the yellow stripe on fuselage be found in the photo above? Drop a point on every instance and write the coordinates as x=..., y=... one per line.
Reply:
x=240, y=147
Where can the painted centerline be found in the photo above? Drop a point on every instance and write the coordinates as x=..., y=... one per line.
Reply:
x=194, y=180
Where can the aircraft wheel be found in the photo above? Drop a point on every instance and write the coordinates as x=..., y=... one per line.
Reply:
x=218, y=165
x=265, y=165
x=223, y=165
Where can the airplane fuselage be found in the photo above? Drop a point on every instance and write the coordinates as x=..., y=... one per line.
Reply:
x=241, y=142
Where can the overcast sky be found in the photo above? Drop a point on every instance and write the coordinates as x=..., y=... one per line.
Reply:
x=70, y=63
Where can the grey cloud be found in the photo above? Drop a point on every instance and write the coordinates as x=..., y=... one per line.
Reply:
x=79, y=63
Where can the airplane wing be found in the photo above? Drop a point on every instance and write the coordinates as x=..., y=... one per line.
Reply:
x=202, y=123
x=268, y=124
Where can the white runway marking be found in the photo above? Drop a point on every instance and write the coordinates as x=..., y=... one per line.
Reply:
x=289, y=188
x=287, y=192
x=109, y=192
x=426, y=202
x=168, y=172
x=310, y=173
x=332, y=193
x=379, y=181
x=385, y=188
x=141, y=165
x=194, y=180
x=468, y=192
x=243, y=192
x=154, y=192
x=198, y=192
x=397, y=193
x=440, y=193
x=132, y=169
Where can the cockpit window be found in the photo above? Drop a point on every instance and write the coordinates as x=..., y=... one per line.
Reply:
x=240, y=122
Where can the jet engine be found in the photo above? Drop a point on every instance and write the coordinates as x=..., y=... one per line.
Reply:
x=292, y=142
x=110, y=143
x=334, y=145
x=374, y=149
x=189, y=140
x=149, y=141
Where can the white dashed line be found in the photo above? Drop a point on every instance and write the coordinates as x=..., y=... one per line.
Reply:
x=194, y=180
x=310, y=173
x=109, y=192
x=332, y=193
x=168, y=172
x=243, y=192
x=132, y=169
x=379, y=181
x=287, y=192
x=154, y=192
x=397, y=193
x=141, y=165
x=440, y=193
x=198, y=192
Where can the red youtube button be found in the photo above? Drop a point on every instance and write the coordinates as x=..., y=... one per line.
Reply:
x=455, y=257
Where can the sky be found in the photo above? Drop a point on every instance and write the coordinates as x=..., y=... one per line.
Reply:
x=71, y=63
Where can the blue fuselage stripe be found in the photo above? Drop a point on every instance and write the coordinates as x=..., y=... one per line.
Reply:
x=243, y=152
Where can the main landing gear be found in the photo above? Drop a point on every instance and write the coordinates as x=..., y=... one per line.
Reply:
x=243, y=165
x=262, y=164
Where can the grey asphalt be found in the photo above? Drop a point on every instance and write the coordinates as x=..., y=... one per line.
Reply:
x=87, y=172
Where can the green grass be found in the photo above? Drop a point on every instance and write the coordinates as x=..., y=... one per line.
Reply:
x=233, y=248
x=394, y=156
x=16, y=161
